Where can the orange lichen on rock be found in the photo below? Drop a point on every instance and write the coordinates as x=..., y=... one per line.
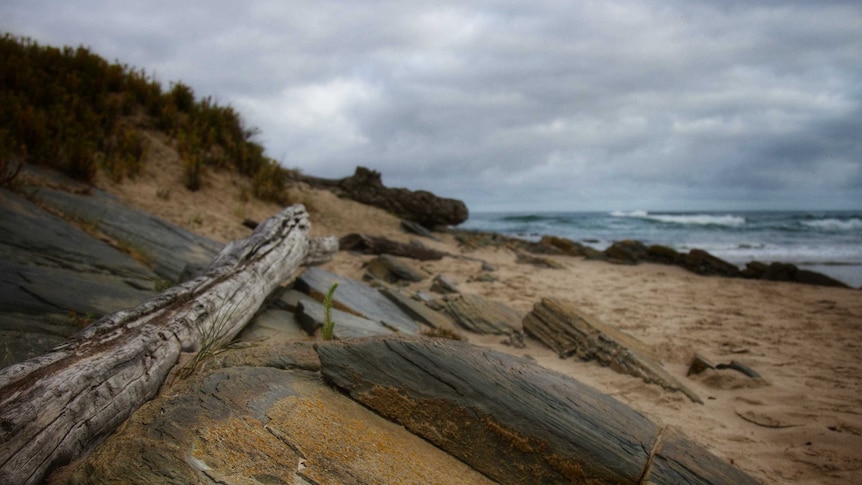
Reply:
x=342, y=442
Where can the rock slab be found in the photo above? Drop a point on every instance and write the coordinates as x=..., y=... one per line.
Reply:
x=569, y=331
x=262, y=425
x=480, y=315
x=355, y=297
x=543, y=427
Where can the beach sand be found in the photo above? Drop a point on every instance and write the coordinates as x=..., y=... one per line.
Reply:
x=800, y=423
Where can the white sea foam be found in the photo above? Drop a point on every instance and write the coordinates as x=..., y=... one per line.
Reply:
x=694, y=219
x=834, y=224
x=640, y=214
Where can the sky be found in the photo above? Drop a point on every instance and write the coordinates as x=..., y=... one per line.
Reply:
x=518, y=105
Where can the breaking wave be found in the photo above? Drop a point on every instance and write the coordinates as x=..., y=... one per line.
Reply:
x=686, y=219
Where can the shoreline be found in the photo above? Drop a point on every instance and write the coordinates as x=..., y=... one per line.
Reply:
x=822, y=241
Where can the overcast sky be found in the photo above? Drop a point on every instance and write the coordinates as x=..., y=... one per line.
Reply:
x=519, y=105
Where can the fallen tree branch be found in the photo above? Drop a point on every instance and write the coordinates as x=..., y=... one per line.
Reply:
x=55, y=407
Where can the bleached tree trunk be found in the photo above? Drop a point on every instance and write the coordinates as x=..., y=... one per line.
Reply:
x=56, y=406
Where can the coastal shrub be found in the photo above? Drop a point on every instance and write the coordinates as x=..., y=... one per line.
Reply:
x=270, y=182
x=69, y=109
x=123, y=153
x=10, y=161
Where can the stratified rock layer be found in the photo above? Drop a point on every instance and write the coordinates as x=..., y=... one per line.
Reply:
x=563, y=327
x=512, y=419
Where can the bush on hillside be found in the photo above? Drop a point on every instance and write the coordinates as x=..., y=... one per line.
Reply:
x=71, y=110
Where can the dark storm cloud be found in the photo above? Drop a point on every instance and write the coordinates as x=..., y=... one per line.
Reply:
x=532, y=105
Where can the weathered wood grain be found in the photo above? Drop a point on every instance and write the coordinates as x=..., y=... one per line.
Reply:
x=56, y=406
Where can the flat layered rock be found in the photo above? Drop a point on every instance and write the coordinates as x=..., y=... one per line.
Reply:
x=261, y=425
x=365, y=244
x=481, y=315
x=391, y=270
x=168, y=247
x=568, y=331
x=419, y=311
x=54, y=276
x=310, y=316
x=357, y=298
x=513, y=420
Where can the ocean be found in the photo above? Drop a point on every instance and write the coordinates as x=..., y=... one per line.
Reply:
x=828, y=242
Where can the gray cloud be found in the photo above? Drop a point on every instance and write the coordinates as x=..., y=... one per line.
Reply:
x=520, y=105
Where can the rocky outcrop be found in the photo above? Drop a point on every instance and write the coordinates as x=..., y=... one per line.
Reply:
x=419, y=206
x=71, y=254
x=569, y=331
x=365, y=244
x=788, y=272
x=627, y=251
x=543, y=427
x=633, y=252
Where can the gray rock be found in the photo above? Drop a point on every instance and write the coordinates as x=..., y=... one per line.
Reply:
x=310, y=316
x=513, y=420
x=480, y=315
x=168, y=247
x=32, y=236
x=274, y=326
x=391, y=270
x=60, y=290
x=419, y=311
x=443, y=285
x=355, y=297
x=261, y=425
x=418, y=229
x=569, y=331
x=54, y=277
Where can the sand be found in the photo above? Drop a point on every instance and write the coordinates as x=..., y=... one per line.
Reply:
x=801, y=423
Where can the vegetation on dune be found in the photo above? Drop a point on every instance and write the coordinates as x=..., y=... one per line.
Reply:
x=69, y=109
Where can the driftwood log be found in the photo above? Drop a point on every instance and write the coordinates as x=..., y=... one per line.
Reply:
x=56, y=406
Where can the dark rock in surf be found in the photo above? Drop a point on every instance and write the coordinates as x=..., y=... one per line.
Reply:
x=701, y=262
x=627, y=251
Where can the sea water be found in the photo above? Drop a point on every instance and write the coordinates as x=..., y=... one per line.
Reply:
x=828, y=242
